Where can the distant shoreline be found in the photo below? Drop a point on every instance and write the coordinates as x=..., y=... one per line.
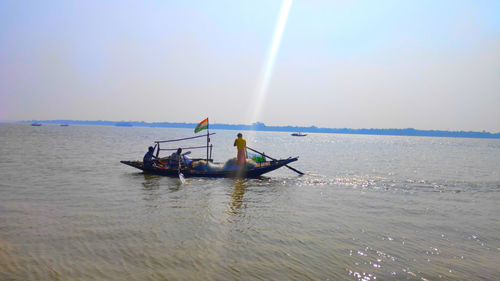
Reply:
x=262, y=127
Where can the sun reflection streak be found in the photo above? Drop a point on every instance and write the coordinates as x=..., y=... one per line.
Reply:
x=270, y=61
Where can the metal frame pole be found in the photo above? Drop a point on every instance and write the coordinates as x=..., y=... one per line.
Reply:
x=208, y=138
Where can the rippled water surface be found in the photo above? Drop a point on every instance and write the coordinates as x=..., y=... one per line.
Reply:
x=369, y=208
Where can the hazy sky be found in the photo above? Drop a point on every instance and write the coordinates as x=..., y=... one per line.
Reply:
x=358, y=64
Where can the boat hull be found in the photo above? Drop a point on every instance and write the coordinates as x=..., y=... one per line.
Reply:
x=243, y=173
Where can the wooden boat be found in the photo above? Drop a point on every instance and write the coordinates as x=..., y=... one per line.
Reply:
x=299, y=134
x=205, y=167
x=189, y=171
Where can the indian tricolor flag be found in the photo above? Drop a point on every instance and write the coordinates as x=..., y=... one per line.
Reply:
x=202, y=126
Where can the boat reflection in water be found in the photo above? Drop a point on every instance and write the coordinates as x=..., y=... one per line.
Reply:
x=151, y=182
x=237, y=196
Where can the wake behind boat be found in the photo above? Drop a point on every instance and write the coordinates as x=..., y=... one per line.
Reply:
x=184, y=166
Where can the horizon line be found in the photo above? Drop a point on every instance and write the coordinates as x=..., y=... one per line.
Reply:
x=260, y=126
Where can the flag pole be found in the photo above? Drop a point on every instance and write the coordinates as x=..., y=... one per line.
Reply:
x=208, y=138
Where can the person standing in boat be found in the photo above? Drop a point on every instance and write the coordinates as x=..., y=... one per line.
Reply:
x=148, y=158
x=241, y=145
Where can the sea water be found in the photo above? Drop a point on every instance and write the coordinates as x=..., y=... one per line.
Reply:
x=368, y=208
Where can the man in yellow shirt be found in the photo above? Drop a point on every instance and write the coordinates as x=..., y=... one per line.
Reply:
x=241, y=145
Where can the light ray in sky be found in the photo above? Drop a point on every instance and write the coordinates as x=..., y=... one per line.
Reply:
x=270, y=61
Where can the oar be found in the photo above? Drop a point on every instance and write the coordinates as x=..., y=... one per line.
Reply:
x=181, y=176
x=295, y=170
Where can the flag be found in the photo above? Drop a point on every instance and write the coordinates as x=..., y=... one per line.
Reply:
x=202, y=126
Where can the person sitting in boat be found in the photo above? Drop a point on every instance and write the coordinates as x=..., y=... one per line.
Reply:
x=241, y=145
x=176, y=157
x=148, y=158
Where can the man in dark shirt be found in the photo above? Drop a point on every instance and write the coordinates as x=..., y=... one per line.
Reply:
x=148, y=158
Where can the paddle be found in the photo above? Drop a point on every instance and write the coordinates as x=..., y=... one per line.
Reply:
x=181, y=176
x=295, y=170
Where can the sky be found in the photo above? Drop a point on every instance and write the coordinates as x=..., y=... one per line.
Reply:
x=432, y=65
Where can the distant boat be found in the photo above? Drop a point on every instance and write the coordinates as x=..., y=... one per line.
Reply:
x=299, y=134
x=64, y=125
x=36, y=124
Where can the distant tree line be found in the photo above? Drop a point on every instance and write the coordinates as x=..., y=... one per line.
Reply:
x=259, y=126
